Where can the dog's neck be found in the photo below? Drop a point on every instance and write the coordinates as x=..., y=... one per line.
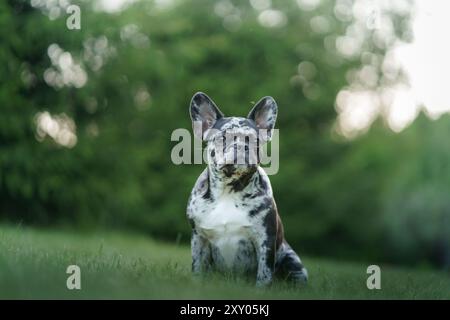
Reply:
x=221, y=184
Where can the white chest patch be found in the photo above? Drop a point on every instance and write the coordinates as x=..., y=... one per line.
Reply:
x=225, y=225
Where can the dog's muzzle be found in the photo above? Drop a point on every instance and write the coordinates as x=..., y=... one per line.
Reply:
x=228, y=169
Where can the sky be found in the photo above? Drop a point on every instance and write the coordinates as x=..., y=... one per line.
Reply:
x=426, y=62
x=427, y=59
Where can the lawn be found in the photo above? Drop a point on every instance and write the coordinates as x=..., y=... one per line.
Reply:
x=33, y=264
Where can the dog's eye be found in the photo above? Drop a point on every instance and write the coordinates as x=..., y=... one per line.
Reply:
x=213, y=153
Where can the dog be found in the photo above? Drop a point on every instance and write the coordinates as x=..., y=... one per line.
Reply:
x=235, y=224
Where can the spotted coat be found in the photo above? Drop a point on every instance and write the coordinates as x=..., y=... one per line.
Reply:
x=236, y=227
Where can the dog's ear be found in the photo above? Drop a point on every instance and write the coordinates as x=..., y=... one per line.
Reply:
x=264, y=114
x=204, y=113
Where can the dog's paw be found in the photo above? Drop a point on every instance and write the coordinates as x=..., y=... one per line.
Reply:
x=298, y=278
x=263, y=283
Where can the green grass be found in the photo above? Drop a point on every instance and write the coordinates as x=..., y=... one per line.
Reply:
x=33, y=265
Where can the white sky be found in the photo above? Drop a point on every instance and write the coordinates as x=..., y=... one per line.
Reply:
x=426, y=62
x=427, y=59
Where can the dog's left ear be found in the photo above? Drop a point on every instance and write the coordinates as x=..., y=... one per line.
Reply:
x=204, y=113
x=264, y=114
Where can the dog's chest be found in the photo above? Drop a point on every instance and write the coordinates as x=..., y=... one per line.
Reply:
x=227, y=226
x=226, y=216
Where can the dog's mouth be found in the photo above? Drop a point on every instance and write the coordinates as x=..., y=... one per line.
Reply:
x=235, y=170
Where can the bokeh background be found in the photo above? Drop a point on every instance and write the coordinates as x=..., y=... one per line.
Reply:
x=87, y=116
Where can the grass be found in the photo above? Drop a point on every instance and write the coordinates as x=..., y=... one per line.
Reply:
x=33, y=265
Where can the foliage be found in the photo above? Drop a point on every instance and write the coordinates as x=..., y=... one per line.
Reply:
x=133, y=74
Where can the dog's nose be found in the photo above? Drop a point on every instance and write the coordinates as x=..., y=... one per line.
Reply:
x=228, y=169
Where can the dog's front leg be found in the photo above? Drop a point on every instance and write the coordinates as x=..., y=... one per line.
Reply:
x=266, y=259
x=201, y=254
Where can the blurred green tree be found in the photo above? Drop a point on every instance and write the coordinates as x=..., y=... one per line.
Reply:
x=87, y=117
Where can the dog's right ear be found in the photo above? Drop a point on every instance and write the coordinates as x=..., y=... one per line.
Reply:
x=204, y=113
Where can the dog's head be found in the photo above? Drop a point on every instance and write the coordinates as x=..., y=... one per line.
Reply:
x=233, y=143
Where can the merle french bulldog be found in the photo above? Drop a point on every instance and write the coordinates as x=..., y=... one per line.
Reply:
x=236, y=228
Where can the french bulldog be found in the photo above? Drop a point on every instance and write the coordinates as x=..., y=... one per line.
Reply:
x=235, y=223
